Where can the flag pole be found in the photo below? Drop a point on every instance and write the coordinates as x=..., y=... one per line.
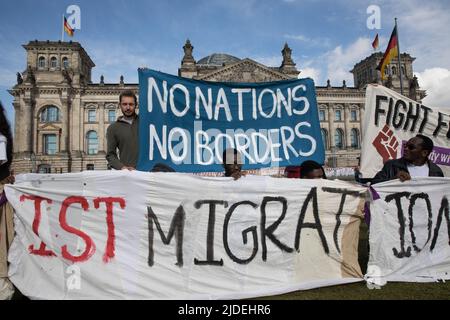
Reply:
x=398, y=56
x=62, y=31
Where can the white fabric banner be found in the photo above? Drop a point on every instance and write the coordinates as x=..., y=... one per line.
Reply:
x=410, y=231
x=137, y=235
x=391, y=119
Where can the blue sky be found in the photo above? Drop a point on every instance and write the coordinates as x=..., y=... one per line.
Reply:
x=327, y=37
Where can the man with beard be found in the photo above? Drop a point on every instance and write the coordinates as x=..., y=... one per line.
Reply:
x=123, y=135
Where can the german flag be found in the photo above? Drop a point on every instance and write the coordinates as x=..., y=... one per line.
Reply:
x=390, y=53
x=67, y=28
x=375, y=43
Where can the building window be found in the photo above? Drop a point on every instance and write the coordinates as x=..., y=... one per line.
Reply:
x=53, y=63
x=92, y=142
x=50, y=144
x=90, y=166
x=394, y=71
x=403, y=71
x=111, y=115
x=353, y=115
x=322, y=115
x=338, y=115
x=339, y=139
x=386, y=71
x=354, y=137
x=41, y=62
x=324, y=134
x=44, y=168
x=91, y=115
x=50, y=114
x=65, y=62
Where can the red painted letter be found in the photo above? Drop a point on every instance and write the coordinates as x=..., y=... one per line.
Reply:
x=37, y=220
x=110, y=247
x=90, y=246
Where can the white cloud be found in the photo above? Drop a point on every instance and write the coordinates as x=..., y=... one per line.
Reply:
x=341, y=60
x=312, y=42
x=435, y=81
x=113, y=60
x=273, y=61
x=310, y=73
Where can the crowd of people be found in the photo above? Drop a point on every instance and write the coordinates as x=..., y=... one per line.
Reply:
x=122, y=136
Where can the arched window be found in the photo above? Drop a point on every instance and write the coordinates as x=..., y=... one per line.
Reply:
x=53, y=62
x=324, y=138
x=339, y=139
x=41, y=62
x=394, y=70
x=92, y=142
x=386, y=71
x=65, y=62
x=403, y=71
x=50, y=114
x=354, y=137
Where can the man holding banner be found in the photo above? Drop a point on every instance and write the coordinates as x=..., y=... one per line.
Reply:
x=414, y=163
x=123, y=135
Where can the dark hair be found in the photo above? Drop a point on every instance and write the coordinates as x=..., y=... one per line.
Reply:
x=224, y=155
x=161, y=167
x=128, y=93
x=309, y=166
x=427, y=143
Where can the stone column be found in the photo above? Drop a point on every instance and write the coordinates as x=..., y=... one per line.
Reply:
x=26, y=124
x=17, y=120
x=331, y=124
x=362, y=108
x=76, y=110
x=101, y=127
x=65, y=118
x=347, y=127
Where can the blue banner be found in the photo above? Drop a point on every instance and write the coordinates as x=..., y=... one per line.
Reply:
x=186, y=124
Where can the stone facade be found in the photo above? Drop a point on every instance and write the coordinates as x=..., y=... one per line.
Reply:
x=61, y=116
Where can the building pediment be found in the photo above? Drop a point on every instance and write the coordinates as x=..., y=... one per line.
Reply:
x=246, y=70
x=48, y=127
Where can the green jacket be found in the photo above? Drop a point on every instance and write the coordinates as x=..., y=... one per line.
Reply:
x=123, y=136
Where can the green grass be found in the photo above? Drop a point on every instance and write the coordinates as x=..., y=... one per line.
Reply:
x=359, y=291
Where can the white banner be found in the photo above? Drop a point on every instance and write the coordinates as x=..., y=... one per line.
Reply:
x=410, y=231
x=136, y=235
x=391, y=120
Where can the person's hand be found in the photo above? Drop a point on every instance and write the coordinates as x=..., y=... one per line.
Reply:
x=403, y=176
x=237, y=174
x=128, y=168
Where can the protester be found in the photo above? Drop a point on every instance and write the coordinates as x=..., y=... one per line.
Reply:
x=161, y=167
x=414, y=162
x=232, y=163
x=123, y=135
x=6, y=211
x=312, y=170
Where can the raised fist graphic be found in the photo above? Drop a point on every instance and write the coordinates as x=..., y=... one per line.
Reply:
x=386, y=144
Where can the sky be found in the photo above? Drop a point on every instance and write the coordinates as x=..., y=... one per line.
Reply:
x=327, y=38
